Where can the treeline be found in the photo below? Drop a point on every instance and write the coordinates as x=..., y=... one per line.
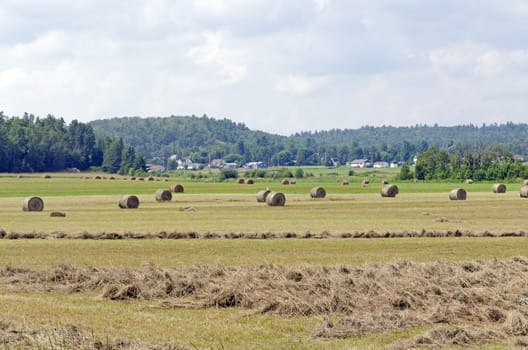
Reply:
x=33, y=144
x=475, y=164
x=202, y=139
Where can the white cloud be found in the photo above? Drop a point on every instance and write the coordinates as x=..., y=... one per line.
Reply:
x=300, y=85
x=12, y=77
x=48, y=43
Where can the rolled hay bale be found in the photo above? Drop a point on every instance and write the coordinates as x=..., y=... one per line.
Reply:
x=129, y=202
x=46, y=176
x=262, y=195
x=57, y=214
x=249, y=181
x=32, y=204
x=132, y=178
x=292, y=182
x=140, y=179
x=150, y=178
x=469, y=181
x=390, y=191
x=318, y=192
x=344, y=182
x=97, y=177
x=458, y=194
x=163, y=195
x=239, y=181
x=285, y=182
x=365, y=182
x=525, y=182
x=524, y=192
x=384, y=182
x=176, y=188
x=499, y=188
x=276, y=199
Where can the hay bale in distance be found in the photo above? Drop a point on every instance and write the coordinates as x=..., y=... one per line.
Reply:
x=240, y=181
x=365, y=182
x=150, y=178
x=249, y=181
x=57, y=214
x=318, y=192
x=176, y=188
x=525, y=182
x=293, y=182
x=469, y=181
x=499, y=188
x=458, y=194
x=384, y=182
x=32, y=204
x=129, y=202
x=262, y=195
x=163, y=195
x=46, y=176
x=390, y=191
x=285, y=182
x=344, y=182
x=524, y=192
x=276, y=199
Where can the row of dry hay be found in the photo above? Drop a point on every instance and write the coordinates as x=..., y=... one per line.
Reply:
x=263, y=235
x=366, y=299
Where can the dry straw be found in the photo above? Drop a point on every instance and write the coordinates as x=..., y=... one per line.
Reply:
x=524, y=192
x=176, y=188
x=129, y=202
x=276, y=199
x=163, y=195
x=32, y=204
x=499, y=188
x=390, y=191
x=318, y=192
x=261, y=195
x=458, y=194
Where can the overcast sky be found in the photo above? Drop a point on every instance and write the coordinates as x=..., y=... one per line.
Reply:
x=280, y=66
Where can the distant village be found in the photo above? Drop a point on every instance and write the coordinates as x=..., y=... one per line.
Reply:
x=188, y=164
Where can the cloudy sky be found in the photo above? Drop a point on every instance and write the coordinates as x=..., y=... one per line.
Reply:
x=280, y=66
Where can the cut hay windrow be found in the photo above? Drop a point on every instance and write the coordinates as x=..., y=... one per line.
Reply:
x=458, y=194
x=499, y=188
x=318, y=192
x=129, y=202
x=390, y=191
x=366, y=299
x=261, y=195
x=276, y=199
x=163, y=195
x=32, y=204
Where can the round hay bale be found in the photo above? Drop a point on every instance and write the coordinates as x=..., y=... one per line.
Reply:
x=458, y=194
x=525, y=182
x=285, y=182
x=140, y=179
x=163, y=195
x=111, y=178
x=19, y=176
x=176, y=188
x=133, y=178
x=469, y=181
x=344, y=182
x=384, y=182
x=390, y=191
x=32, y=204
x=524, y=192
x=46, y=176
x=365, y=182
x=318, y=192
x=276, y=199
x=292, y=182
x=57, y=214
x=97, y=177
x=262, y=195
x=249, y=181
x=499, y=188
x=239, y=181
x=129, y=202
x=150, y=178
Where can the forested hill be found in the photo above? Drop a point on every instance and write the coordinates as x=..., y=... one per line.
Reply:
x=202, y=139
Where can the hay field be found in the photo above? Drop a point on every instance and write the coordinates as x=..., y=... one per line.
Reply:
x=214, y=269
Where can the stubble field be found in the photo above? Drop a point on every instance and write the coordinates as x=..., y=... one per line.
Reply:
x=214, y=269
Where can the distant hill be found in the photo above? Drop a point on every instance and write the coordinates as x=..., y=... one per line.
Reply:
x=203, y=139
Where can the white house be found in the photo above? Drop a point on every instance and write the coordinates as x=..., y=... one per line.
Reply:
x=360, y=163
x=380, y=164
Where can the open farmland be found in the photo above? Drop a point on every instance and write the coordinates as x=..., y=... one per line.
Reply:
x=214, y=269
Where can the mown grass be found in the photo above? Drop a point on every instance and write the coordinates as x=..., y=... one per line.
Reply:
x=91, y=206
